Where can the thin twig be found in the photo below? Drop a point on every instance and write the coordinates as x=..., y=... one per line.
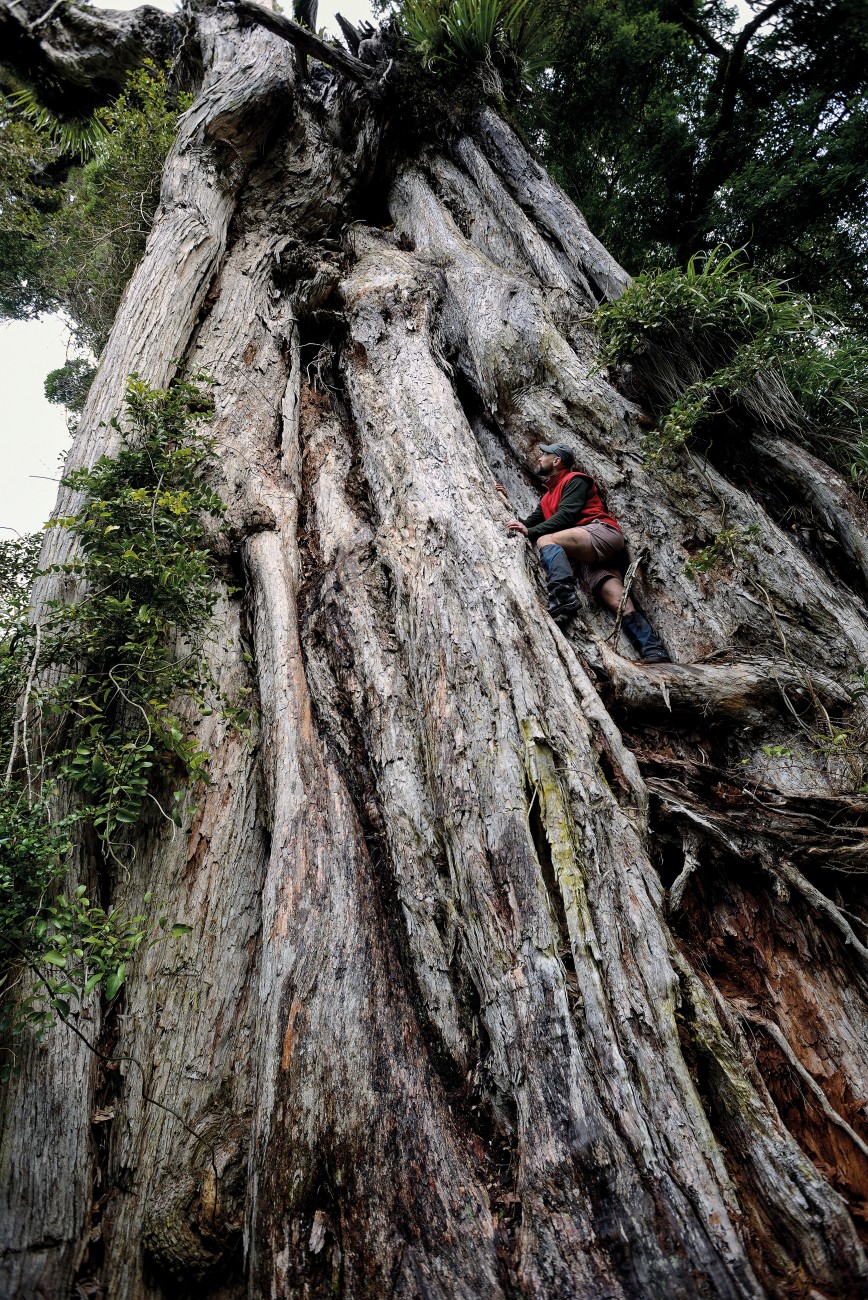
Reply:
x=23, y=718
x=629, y=576
x=108, y=1059
x=43, y=18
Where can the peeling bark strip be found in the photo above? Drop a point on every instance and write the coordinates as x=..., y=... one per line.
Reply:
x=518, y=969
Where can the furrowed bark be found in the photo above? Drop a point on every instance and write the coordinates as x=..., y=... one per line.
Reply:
x=498, y=985
x=78, y=55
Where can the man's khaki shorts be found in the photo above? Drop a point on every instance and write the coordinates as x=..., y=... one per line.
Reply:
x=608, y=543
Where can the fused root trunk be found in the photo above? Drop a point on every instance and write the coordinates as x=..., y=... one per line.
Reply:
x=510, y=956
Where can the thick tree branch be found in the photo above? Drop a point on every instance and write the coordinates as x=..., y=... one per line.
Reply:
x=719, y=165
x=696, y=29
x=305, y=41
x=82, y=54
x=735, y=62
x=742, y=692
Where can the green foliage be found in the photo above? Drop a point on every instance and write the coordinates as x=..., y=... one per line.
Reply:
x=78, y=137
x=728, y=546
x=147, y=585
x=73, y=947
x=719, y=340
x=28, y=197
x=103, y=709
x=70, y=384
x=18, y=560
x=777, y=751
x=74, y=248
x=615, y=116
x=831, y=384
x=19, y=557
x=670, y=139
x=503, y=41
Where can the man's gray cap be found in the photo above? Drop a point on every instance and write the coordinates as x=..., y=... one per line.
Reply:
x=567, y=455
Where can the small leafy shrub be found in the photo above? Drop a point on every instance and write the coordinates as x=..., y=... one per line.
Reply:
x=19, y=557
x=859, y=683
x=74, y=947
x=131, y=644
x=502, y=41
x=69, y=945
x=728, y=546
x=717, y=340
x=93, y=696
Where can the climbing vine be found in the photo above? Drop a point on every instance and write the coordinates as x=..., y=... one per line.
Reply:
x=98, y=700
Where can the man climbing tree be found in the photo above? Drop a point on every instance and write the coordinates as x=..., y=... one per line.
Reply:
x=509, y=970
x=572, y=526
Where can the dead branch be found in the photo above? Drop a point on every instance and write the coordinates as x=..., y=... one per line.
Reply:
x=305, y=41
x=818, y=900
x=742, y=691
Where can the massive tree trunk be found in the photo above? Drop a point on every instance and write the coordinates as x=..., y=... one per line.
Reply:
x=518, y=969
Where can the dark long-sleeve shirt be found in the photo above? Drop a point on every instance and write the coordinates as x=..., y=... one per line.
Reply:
x=567, y=515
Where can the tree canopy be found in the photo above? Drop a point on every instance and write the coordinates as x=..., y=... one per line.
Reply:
x=677, y=125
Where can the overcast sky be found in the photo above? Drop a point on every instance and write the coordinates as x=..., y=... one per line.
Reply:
x=33, y=435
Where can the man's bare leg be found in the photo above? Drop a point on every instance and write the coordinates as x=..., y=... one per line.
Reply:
x=610, y=592
x=575, y=541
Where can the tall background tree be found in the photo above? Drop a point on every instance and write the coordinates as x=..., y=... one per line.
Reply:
x=682, y=125
x=514, y=968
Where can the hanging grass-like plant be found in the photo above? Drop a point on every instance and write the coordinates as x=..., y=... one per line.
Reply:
x=78, y=138
x=717, y=339
x=498, y=39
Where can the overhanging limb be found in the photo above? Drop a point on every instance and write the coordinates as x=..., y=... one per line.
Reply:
x=305, y=41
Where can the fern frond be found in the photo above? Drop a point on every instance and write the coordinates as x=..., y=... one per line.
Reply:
x=80, y=137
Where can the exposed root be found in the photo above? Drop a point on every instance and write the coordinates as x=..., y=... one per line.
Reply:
x=742, y=692
x=826, y=907
x=778, y=1037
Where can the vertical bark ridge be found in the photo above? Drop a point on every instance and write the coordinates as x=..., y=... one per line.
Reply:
x=157, y=314
x=387, y=307
x=433, y=1035
x=342, y=1071
x=183, y=1201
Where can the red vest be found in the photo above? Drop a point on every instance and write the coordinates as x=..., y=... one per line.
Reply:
x=593, y=508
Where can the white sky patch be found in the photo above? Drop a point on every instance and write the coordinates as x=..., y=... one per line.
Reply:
x=355, y=10
x=33, y=433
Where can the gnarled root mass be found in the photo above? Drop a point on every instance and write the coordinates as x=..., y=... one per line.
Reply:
x=518, y=968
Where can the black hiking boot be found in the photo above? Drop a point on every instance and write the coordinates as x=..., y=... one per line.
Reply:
x=560, y=583
x=642, y=635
